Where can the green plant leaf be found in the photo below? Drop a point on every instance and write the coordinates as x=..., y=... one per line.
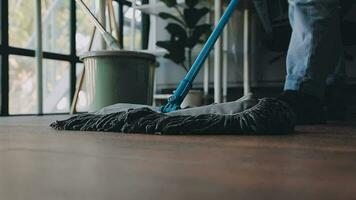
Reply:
x=198, y=32
x=193, y=15
x=176, y=45
x=166, y=16
x=176, y=50
x=177, y=31
x=191, y=3
x=170, y=3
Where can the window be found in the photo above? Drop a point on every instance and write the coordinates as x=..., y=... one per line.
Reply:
x=23, y=88
x=66, y=32
x=132, y=37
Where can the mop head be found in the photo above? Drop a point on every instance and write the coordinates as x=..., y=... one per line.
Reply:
x=268, y=116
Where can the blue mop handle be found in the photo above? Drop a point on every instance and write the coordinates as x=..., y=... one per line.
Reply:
x=184, y=86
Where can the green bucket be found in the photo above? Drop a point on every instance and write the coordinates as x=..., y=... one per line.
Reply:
x=118, y=77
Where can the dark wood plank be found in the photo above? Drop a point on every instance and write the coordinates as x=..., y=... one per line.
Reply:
x=36, y=162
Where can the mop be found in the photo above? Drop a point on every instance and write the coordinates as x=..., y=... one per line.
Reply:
x=244, y=116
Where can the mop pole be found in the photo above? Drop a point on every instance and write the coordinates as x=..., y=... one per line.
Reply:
x=109, y=39
x=184, y=86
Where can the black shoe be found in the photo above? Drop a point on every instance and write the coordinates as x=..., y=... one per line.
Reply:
x=308, y=109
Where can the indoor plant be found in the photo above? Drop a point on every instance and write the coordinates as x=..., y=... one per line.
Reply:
x=185, y=31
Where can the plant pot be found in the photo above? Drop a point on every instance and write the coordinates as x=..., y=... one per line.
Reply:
x=194, y=98
x=118, y=77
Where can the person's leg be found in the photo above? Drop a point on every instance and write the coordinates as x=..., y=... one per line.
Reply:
x=313, y=54
x=314, y=47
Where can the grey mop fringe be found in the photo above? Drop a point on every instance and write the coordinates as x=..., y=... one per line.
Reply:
x=268, y=116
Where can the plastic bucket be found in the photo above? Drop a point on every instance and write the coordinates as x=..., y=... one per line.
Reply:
x=193, y=99
x=118, y=77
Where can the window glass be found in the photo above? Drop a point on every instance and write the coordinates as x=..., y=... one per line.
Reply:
x=55, y=86
x=21, y=23
x=85, y=27
x=82, y=104
x=128, y=32
x=22, y=85
x=56, y=26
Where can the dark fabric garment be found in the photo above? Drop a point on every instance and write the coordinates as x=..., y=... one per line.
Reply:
x=268, y=116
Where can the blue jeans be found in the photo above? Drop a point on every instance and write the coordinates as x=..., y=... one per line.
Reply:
x=315, y=56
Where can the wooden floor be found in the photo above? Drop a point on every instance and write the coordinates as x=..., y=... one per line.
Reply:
x=317, y=162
